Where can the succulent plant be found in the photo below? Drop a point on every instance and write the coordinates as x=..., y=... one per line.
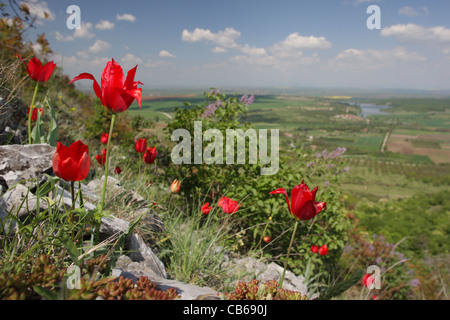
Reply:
x=268, y=290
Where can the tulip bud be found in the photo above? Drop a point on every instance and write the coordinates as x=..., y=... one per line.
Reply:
x=267, y=239
x=175, y=187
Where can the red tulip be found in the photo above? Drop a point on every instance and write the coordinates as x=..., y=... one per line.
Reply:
x=206, y=208
x=115, y=93
x=323, y=250
x=150, y=155
x=38, y=72
x=71, y=163
x=303, y=205
x=141, y=145
x=34, y=115
x=367, y=280
x=101, y=158
x=117, y=170
x=314, y=249
x=228, y=205
x=104, y=138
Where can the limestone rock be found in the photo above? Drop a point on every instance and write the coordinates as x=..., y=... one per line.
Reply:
x=23, y=163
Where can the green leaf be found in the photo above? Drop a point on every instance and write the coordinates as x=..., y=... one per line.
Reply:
x=71, y=249
x=45, y=293
x=342, y=286
x=53, y=136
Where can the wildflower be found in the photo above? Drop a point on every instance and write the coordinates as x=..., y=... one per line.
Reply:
x=302, y=205
x=323, y=250
x=71, y=163
x=104, y=138
x=150, y=155
x=115, y=94
x=34, y=114
x=367, y=280
x=228, y=205
x=175, y=187
x=140, y=145
x=245, y=99
x=37, y=72
x=314, y=248
x=101, y=158
x=117, y=170
x=206, y=208
x=267, y=239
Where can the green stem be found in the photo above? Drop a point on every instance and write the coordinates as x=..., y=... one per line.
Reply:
x=31, y=112
x=73, y=194
x=107, y=161
x=81, y=193
x=289, y=251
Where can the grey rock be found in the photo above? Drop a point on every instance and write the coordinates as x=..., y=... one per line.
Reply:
x=127, y=268
x=248, y=268
x=25, y=163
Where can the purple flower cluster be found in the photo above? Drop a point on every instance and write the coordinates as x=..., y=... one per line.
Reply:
x=336, y=153
x=245, y=99
x=210, y=110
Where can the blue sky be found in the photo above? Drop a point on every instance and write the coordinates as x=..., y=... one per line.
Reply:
x=253, y=43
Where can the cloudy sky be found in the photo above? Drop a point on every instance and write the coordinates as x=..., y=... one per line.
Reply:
x=251, y=43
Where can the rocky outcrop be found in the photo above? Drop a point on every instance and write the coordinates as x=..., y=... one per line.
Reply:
x=22, y=170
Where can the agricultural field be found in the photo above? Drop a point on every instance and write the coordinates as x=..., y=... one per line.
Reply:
x=416, y=133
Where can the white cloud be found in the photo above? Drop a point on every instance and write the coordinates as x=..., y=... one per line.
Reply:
x=223, y=38
x=39, y=10
x=129, y=61
x=218, y=50
x=411, y=12
x=370, y=59
x=126, y=17
x=84, y=31
x=166, y=54
x=292, y=45
x=418, y=34
x=99, y=46
x=104, y=25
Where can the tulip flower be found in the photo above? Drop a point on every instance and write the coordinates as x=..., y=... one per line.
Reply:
x=101, y=158
x=314, y=249
x=36, y=71
x=141, y=145
x=104, y=138
x=303, y=205
x=175, y=187
x=323, y=250
x=367, y=280
x=228, y=205
x=267, y=239
x=34, y=114
x=206, y=208
x=71, y=163
x=117, y=170
x=150, y=155
x=115, y=93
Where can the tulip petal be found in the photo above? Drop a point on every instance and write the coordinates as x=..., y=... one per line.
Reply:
x=83, y=167
x=320, y=206
x=97, y=90
x=300, y=196
x=77, y=150
x=283, y=191
x=46, y=71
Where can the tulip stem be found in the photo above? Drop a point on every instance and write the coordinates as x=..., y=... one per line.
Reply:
x=30, y=113
x=107, y=161
x=289, y=251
